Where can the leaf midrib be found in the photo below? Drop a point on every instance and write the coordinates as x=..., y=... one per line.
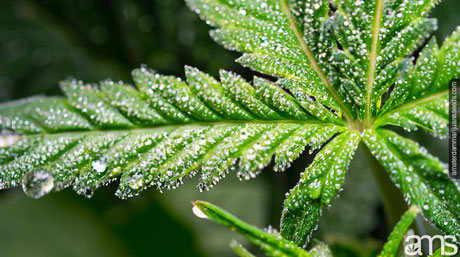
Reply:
x=312, y=60
x=373, y=59
x=199, y=123
x=416, y=102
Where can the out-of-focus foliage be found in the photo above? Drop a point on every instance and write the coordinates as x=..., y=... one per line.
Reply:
x=42, y=42
x=62, y=225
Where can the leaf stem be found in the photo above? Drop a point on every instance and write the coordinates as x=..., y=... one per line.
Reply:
x=391, y=247
x=240, y=250
x=393, y=202
x=314, y=64
x=373, y=58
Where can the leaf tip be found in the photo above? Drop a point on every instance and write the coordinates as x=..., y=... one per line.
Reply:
x=414, y=210
x=197, y=211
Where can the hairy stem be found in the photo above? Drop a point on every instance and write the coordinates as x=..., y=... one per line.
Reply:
x=314, y=64
x=373, y=58
x=393, y=202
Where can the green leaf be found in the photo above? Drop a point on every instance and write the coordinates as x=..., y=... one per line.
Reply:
x=272, y=45
x=420, y=98
x=240, y=250
x=320, y=249
x=343, y=56
x=375, y=36
x=422, y=178
x=391, y=247
x=333, y=64
x=448, y=251
x=164, y=132
x=270, y=242
x=318, y=185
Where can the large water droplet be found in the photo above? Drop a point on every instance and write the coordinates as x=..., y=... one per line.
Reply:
x=37, y=183
x=199, y=213
x=99, y=165
x=7, y=140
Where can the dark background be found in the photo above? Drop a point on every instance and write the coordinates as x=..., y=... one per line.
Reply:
x=42, y=42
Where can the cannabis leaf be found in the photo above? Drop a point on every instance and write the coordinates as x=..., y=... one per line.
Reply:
x=318, y=185
x=422, y=178
x=274, y=245
x=240, y=250
x=397, y=235
x=164, y=132
x=444, y=252
x=271, y=242
x=271, y=46
x=340, y=72
x=420, y=97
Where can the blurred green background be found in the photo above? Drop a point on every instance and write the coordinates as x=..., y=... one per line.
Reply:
x=42, y=42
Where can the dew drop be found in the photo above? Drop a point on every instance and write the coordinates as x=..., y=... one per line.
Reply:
x=37, y=183
x=199, y=213
x=99, y=166
x=7, y=140
x=87, y=192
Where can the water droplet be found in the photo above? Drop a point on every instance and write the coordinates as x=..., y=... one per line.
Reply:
x=7, y=140
x=99, y=166
x=87, y=192
x=199, y=213
x=37, y=183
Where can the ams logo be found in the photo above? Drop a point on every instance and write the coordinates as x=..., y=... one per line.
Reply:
x=413, y=246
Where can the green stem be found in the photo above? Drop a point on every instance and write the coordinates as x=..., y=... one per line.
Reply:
x=393, y=202
x=240, y=250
